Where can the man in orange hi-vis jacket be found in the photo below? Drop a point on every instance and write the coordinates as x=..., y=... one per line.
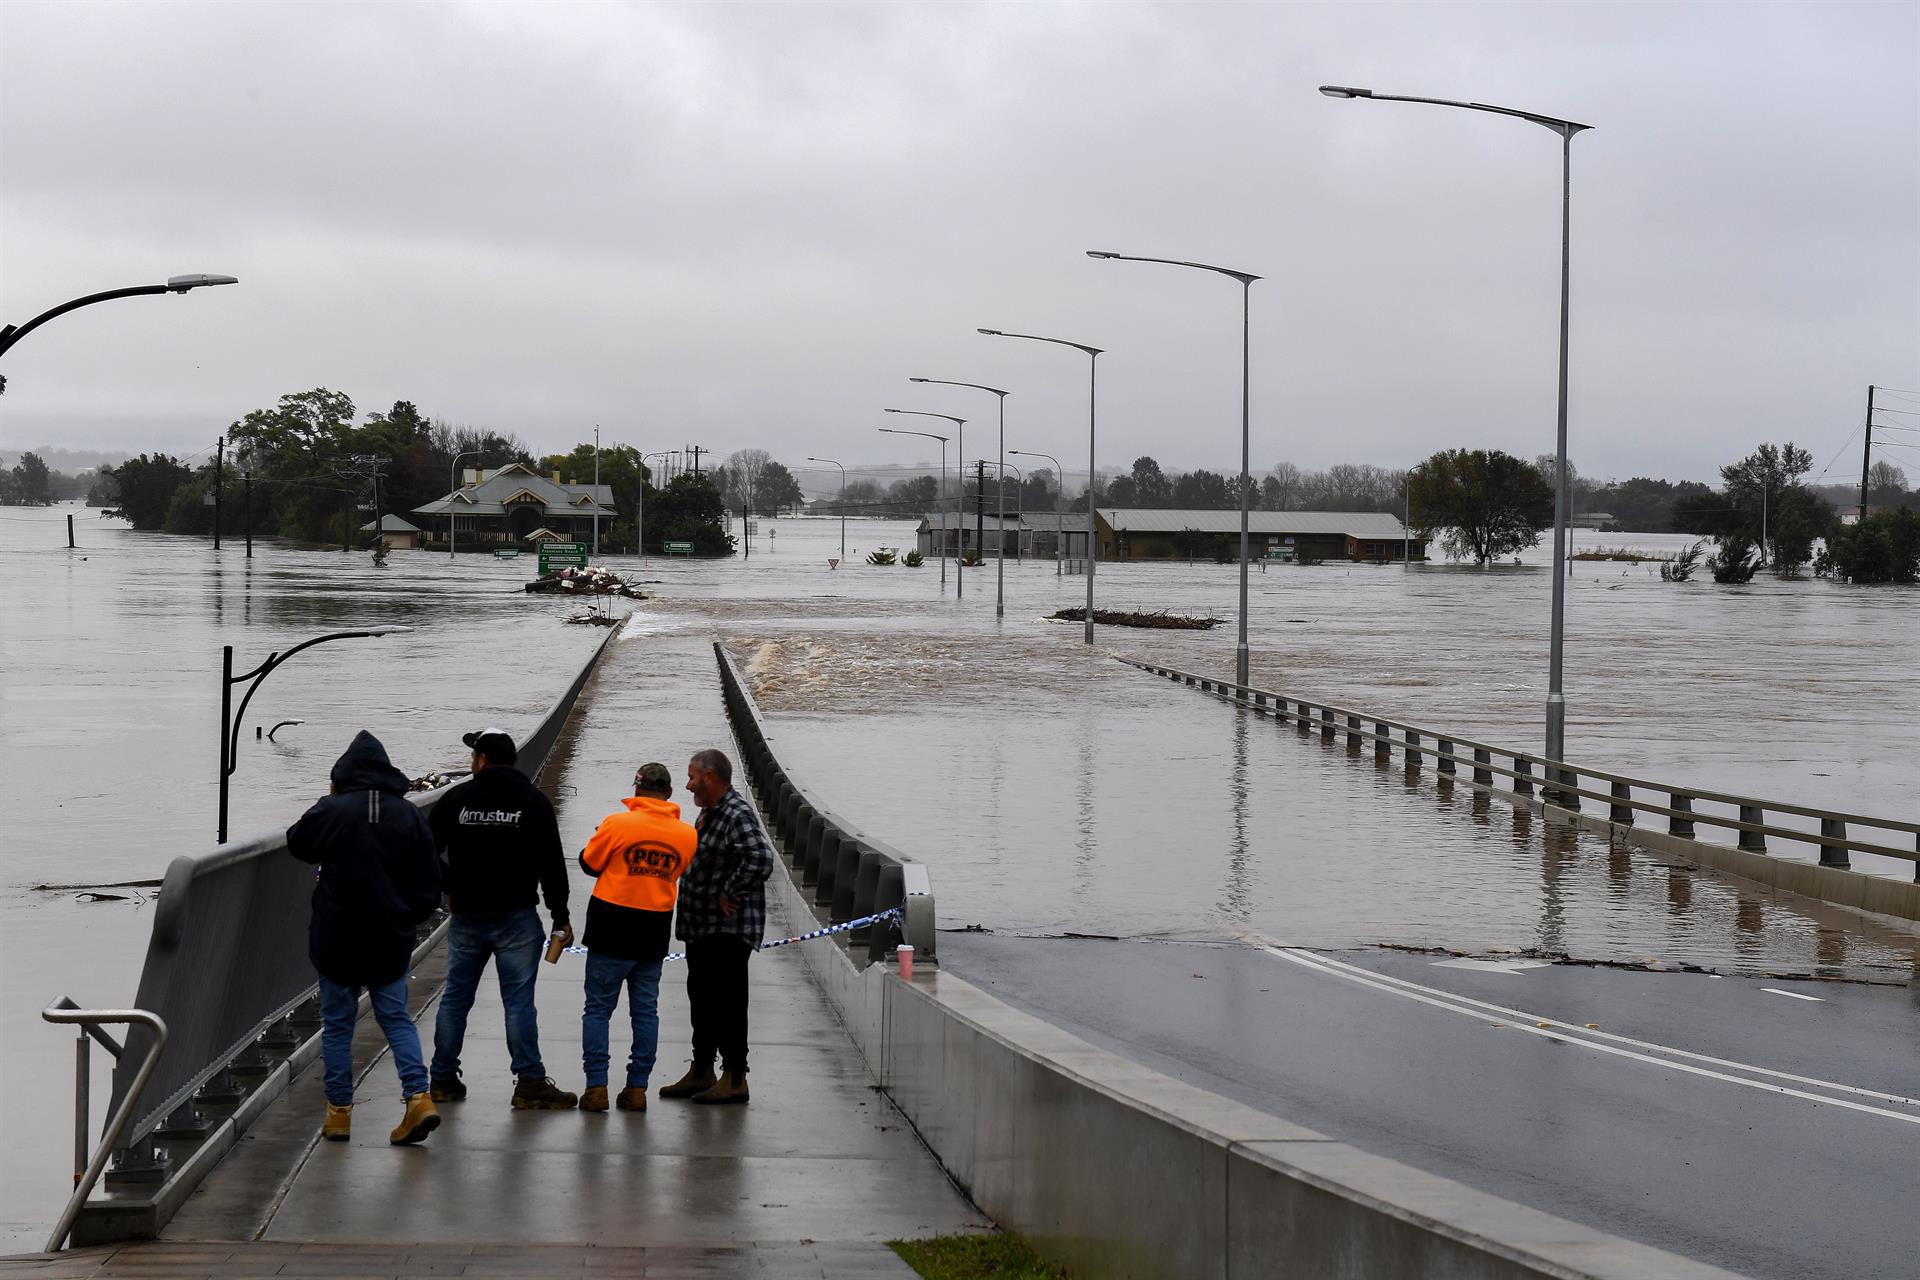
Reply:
x=636, y=858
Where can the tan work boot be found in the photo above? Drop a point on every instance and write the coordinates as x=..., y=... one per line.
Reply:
x=540, y=1093
x=732, y=1087
x=699, y=1079
x=421, y=1119
x=631, y=1100
x=594, y=1099
x=339, y=1125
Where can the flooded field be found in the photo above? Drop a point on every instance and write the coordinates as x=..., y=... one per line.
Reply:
x=1050, y=788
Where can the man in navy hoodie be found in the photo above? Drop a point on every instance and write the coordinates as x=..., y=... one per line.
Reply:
x=378, y=878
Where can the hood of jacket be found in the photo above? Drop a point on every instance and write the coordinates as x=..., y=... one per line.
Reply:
x=365, y=767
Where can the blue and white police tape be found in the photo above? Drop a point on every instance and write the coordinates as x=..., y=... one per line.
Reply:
x=862, y=922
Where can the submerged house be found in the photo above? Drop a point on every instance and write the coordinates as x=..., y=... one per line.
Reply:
x=1130, y=533
x=513, y=505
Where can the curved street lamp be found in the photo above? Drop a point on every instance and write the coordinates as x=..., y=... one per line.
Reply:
x=640, y=509
x=843, y=505
x=1020, y=501
x=1059, y=514
x=230, y=720
x=897, y=431
x=176, y=284
x=1000, y=589
x=453, y=487
x=960, y=548
x=1246, y=484
x=1093, y=373
x=1556, y=698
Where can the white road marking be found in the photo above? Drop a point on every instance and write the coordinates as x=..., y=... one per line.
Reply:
x=1580, y=1037
x=1775, y=991
x=1513, y=966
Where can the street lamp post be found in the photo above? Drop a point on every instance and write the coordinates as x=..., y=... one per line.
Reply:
x=176, y=284
x=1093, y=373
x=453, y=487
x=843, y=505
x=230, y=720
x=1059, y=514
x=1020, y=496
x=640, y=506
x=1246, y=482
x=894, y=431
x=959, y=551
x=596, y=491
x=1000, y=589
x=1556, y=698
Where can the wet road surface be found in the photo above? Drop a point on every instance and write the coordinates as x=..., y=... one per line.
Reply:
x=1805, y=1172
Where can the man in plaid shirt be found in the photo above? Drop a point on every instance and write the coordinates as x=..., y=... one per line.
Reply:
x=722, y=916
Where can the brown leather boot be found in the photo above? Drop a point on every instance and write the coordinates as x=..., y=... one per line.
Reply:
x=731, y=1087
x=339, y=1124
x=699, y=1079
x=594, y=1099
x=631, y=1100
x=421, y=1119
x=540, y=1093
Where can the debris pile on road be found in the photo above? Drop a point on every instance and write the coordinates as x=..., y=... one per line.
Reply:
x=1159, y=618
x=434, y=781
x=590, y=581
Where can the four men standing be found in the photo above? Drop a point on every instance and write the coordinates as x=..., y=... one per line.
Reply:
x=499, y=852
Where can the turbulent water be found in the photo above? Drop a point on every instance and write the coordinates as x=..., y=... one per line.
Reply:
x=1050, y=788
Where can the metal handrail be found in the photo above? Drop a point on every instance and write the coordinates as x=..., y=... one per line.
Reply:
x=1559, y=778
x=64, y=1010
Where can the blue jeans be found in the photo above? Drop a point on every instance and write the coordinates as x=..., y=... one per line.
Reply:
x=339, y=1006
x=605, y=976
x=513, y=941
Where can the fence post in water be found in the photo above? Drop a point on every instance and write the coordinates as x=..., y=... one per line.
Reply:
x=1382, y=741
x=1353, y=732
x=1677, y=825
x=1482, y=776
x=70, y=543
x=1326, y=723
x=1446, y=756
x=1620, y=811
x=1753, y=841
x=1833, y=855
x=1412, y=749
x=1523, y=776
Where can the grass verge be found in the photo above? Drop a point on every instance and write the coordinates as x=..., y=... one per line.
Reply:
x=1001, y=1256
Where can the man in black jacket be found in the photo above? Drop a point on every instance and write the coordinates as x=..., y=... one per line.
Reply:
x=378, y=878
x=501, y=844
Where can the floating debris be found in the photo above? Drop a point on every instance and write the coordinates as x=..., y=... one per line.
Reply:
x=434, y=781
x=590, y=581
x=1160, y=619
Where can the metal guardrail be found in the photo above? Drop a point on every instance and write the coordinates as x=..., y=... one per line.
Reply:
x=1564, y=784
x=852, y=874
x=227, y=990
x=87, y=1169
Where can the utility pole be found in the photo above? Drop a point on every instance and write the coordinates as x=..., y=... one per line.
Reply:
x=379, y=534
x=346, y=519
x=1866, y=454
x=980, y=508
x=696, y=459
x=219, y=480
x=246, y=511
x=596, y=491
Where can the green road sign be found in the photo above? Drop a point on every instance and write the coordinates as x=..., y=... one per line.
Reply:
x=562, y=555
x=677, y=548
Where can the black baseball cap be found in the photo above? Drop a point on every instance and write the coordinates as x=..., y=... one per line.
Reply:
x=655, y=777
x=494, y=744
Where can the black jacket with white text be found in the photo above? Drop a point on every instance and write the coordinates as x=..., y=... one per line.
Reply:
x=500, y=845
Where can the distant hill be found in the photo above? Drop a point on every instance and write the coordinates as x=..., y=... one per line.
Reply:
x=66, y=460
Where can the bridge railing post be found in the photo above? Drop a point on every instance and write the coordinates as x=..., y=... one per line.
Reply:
x=1412, y=749
x=1523, y=779
x=1447, y=757
x=1677, y=825
x=1834, y=855
x=1482, y=776
x=1620, y=811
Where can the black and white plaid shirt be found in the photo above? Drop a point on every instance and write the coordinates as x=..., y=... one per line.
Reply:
x=734, y=859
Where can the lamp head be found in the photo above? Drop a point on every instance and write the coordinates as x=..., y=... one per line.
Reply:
x=387, y=631
x=1101, y=253
x=1345, y=91
x=180, y=284
x=919, y=379
x=991, y=333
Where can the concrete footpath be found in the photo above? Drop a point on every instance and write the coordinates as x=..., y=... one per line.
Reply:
x=810, y=1179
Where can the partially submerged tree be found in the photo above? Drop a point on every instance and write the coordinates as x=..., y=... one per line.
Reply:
x=1483, y=502
x=1735, y=561
x=1884, y=547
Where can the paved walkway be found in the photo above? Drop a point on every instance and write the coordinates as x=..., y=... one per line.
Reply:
x=810, y=1179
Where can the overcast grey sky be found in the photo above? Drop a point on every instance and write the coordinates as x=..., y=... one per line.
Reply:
x=747, y=224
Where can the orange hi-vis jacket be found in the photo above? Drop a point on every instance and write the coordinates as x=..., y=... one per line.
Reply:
x=638, y=856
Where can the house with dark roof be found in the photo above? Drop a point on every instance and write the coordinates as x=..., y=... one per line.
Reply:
x=511, y=505
x=1129, y=533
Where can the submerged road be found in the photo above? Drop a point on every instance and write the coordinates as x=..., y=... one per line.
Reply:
x=1768, y=1126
